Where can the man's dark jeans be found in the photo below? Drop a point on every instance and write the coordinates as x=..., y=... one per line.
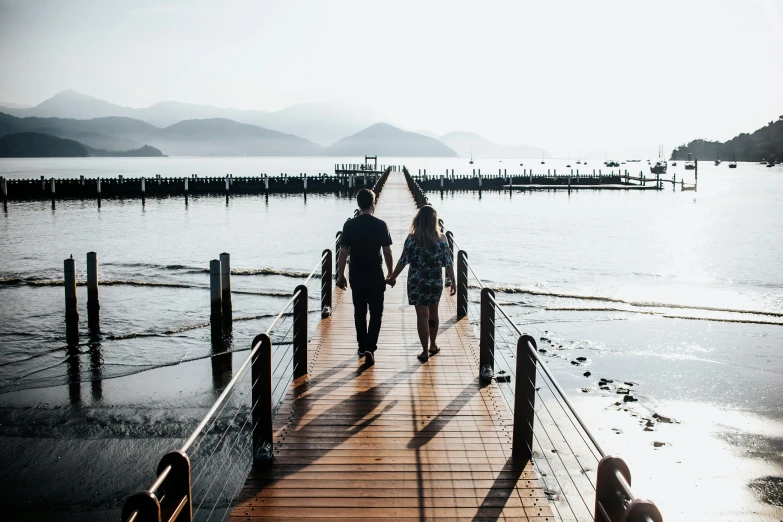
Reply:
x=368, y=290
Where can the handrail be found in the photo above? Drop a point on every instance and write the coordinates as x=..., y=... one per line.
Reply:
x=560, y=391
x=176, y=464
x=613, y=476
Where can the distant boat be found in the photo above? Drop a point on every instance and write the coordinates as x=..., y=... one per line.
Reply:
x=471, y=155
x=689, y=165
x=674, y=163
x=633, y=161
x=659, y=167
x=611, y=163
x=733, y=164
x=568, y=166
x=717, y=162
x=578, y=162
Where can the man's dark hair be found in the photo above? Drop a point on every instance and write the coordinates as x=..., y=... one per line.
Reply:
x=365, y=198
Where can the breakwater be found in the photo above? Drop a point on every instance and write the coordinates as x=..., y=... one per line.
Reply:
x=529, y=180
x=158, y=186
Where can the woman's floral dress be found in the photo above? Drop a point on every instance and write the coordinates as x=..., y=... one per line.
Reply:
x=425, y=279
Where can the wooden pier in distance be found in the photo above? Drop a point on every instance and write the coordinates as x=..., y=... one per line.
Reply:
x=397, y=440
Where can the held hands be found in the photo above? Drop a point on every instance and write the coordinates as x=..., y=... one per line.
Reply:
x=341, y=282
x=390, y=280
x=452, y=289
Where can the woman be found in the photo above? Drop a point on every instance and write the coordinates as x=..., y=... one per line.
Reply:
x=427, y=251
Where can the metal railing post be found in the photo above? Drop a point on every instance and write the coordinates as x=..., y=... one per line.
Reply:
x=144, y=504
x=261, y=395
x=300, y=331
x=524, y=399
x=450, y=238
x=178, y=494
x=337, y=252
x=326, y=283
x=487, y=335
x=462, y=284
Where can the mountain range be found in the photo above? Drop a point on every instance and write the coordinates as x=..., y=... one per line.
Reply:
x=181, y=129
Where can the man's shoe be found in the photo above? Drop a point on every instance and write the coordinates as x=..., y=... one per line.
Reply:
x=361, y=351
x=369, y=357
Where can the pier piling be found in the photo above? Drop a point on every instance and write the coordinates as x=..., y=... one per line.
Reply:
x=216, y=297
x=93, y=304
x=225, y=284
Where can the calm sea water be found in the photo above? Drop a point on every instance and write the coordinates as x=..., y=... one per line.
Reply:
x=679, y=293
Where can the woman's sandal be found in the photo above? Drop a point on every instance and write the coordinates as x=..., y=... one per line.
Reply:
x=436, y=350
x=422, y=357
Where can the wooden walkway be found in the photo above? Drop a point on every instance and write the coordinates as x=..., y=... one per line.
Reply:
x=399, y=440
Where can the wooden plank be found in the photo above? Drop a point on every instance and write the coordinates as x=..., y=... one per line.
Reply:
x=398, y=440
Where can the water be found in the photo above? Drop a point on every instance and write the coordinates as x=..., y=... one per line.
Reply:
x=679, y=293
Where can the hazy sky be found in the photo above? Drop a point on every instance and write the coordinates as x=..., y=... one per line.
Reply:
x=587, y=75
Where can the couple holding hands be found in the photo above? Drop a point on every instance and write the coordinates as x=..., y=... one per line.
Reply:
x=427, y=252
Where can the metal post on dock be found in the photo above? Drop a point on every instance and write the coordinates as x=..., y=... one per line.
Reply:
x=51, y=186
x=98, y=187
x=227, y=186
x=266, y=182
x=215, y=294
x=43, y=183
x=261, y=395
x=441, y=181
x=93, y=304
x=524, y=399
x=300, y=331
x=337, y=252
x=487, y=335
x=225, y=285
x=143, y=186
x=326, y=283
x=462, y=284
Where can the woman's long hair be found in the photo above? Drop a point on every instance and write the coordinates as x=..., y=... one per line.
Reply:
x=424, y=229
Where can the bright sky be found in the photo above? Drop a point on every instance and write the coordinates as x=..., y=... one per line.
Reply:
x=565, y=75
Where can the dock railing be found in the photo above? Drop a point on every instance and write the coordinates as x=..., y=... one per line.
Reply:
x=201, y=479
x=547, y=429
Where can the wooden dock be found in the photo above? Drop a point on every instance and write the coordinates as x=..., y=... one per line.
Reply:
x=397, y=440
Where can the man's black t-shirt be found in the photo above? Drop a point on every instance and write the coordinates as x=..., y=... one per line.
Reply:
x=365, y=235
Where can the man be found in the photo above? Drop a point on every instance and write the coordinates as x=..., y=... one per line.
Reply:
x=366, y=236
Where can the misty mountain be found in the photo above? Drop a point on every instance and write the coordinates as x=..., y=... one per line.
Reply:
x=12, y=105
x=37, y=145
x=110, y=133
x=765, y=143
x=463, y=142
x=384, y=140
x=209, y=137
x=322, y=123
x=222, y=137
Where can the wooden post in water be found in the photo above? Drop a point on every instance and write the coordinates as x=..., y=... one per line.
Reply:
x=300, y=331
x=69, y=280
x=215, y=294
x=225, y=285
x=261, y=395
x=696, y=173
x=462, y=284
x=487, y=335
x=524, y=399
x=5, y=188
x=93, y=304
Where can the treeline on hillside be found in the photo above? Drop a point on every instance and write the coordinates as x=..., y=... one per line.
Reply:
x=766, y=144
